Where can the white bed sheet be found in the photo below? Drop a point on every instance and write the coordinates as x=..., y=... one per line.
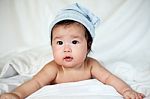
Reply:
x=88, y=89
x=82, y=89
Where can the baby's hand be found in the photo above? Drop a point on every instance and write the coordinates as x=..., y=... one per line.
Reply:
x=131, y=94
x=9, y=96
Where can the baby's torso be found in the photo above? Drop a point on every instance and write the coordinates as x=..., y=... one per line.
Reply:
x=74, y=75
x=78, y=76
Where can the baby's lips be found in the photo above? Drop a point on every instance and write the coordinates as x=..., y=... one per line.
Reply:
x=68, y=58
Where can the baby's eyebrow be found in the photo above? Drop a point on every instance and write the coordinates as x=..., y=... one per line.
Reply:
x=75, y=36
x=57, y=37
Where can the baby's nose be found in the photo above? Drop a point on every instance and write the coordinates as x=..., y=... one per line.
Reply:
x=67, y=48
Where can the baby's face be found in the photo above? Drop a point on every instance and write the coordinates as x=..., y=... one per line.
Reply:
x=69, y=45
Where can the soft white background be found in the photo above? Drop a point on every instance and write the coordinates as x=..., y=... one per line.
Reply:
x=124, y=33
x=25, y=23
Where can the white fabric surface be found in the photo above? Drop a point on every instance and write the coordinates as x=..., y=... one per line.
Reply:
x=88, y=89
x=27, y=63
x=81, y=88
x=122, y=41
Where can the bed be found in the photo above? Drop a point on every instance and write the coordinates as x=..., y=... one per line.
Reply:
x=122, y=45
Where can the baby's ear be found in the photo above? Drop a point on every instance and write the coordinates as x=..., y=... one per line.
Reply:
x=89, y=46
x=88, y=51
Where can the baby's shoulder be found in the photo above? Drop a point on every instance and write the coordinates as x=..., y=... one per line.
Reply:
x=93, y=61
x=51, y=65
x=90, y=59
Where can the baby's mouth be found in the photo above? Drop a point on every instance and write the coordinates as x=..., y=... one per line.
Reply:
x=68, y=58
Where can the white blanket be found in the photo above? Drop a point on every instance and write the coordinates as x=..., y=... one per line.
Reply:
x=82, y=89
x=88, y=89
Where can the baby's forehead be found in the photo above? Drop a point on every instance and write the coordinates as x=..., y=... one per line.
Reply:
x=70, y=35
x=76, y=27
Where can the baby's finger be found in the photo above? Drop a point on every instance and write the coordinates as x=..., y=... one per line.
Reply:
x=137, y=96
x=126, y=97
x=141, y=95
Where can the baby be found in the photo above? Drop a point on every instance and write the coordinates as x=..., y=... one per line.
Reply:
x=72, y=33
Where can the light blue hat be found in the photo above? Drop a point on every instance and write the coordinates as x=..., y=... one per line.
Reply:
x=80, y=14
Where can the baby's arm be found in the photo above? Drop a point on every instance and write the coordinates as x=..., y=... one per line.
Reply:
x=44, y=77
x=23, y=90
x=99, y=72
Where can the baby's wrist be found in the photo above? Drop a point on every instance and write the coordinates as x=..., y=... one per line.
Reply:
x=126, y=90
x=16, y=94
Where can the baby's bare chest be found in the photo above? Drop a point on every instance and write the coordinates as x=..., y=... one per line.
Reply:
x=72, y=77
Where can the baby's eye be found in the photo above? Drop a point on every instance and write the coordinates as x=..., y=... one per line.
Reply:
x=59, y=42
x=75, y=42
